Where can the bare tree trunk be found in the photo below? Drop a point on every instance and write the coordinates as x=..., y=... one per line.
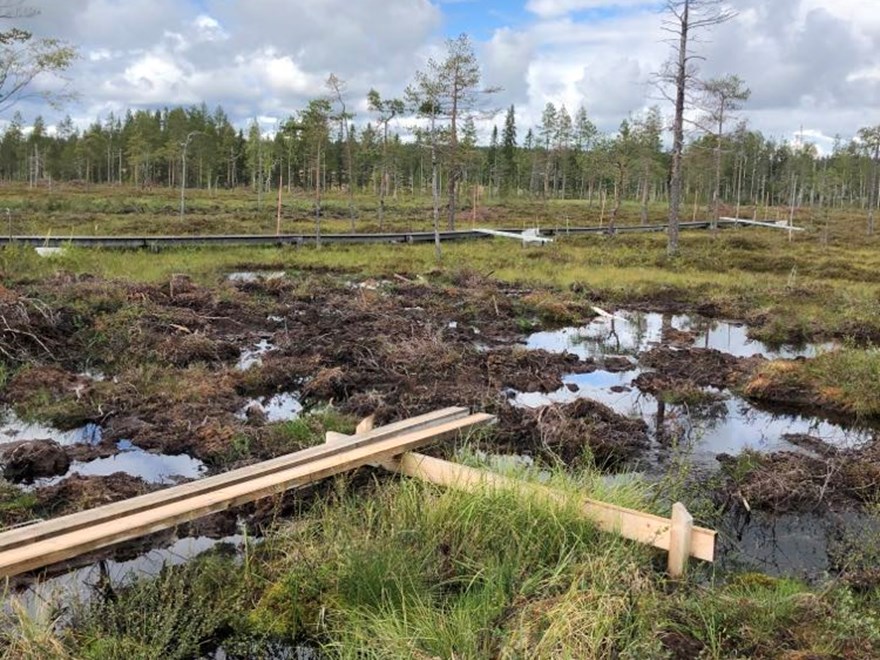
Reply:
x=618, y=193
x=872, y=197
x=645, y=191
x=740, y=174
x=716, y=194
x=318, y=201
x=350, y=165
x=453, y=150
x=435, y=191
x=675, y=179
x=383, y=183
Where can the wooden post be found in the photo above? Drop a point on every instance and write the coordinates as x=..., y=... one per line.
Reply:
x=680, y=535
x=366, y=425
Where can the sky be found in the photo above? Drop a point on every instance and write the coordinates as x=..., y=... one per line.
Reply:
x=813, y=65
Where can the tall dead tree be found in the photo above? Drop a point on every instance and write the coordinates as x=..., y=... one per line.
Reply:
x=683, y=19
x=337, y=89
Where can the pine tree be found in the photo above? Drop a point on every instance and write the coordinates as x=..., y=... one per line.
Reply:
x=508, y=151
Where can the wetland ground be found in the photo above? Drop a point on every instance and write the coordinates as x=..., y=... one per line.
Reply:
x=741, y=378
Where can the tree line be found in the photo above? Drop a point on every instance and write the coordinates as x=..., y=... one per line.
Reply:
x=565, y=157
x=426, y=142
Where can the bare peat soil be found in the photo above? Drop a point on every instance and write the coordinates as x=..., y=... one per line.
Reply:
x=175, y=369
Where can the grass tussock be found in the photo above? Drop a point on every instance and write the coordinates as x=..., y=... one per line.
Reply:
x=846, y=381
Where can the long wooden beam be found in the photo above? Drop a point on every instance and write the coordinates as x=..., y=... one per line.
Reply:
x=337, y=458
x=72, y=522
x=634, y=525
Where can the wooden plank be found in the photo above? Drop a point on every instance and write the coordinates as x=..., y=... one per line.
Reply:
x=33, y=533
x=633, y=525
x=70, y=544
x=680, y=535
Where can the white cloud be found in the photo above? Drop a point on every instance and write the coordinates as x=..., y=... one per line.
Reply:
x=814, y=63
x=552, y=8
x=209, y=29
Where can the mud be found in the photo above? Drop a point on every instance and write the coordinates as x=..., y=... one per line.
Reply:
x=696, y=368
x=78, y=492
x=171, y=355
x=184, y=363
x=27, y=461
x=573, y=433
x=533, y=371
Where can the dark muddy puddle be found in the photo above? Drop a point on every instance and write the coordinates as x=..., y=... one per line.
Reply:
x=805, y=545
x=279, y=408
x=253, y=357
x=79, y=584
x=631, y=333
x=14, y=429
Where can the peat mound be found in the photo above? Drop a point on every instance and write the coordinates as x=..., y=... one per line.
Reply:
x=574, y=432
x=788, y=481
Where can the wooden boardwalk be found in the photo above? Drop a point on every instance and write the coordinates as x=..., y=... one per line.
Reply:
x=217, y=240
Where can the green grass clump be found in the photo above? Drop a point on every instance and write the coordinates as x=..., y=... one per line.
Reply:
x=760, y=617
x=844, y=381
x=178, y=614
x=414, y=571
x=181, y=613
x=307, y=430
x=16, y=505
x=849, y=377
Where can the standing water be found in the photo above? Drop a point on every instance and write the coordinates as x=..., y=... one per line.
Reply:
x=797, y=544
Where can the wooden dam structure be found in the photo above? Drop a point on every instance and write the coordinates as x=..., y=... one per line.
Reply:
x=49, y=542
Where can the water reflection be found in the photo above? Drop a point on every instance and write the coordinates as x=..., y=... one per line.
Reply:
x=134, y=461
x=14, y=429
x=279, y=408
x=631, y=333
x=251, y=357
x=719, y=425
x=250, y=276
